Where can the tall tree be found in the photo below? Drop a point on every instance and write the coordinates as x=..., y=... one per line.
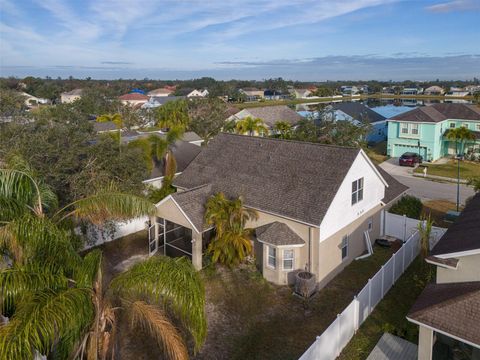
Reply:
x=207, y=117
x=283, y=129
x=460, y=136
x=173, y=114
x=55, y=299
x=232, y=241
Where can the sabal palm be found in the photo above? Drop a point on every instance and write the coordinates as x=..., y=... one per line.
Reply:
x=54, y=297
x=251, y=126
x=232, y=240
x=460, y=135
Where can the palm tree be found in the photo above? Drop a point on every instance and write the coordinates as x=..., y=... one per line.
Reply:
x=283, y=129
x=54, y=297
x=173, y=114
x=232, y=240
x=117, y=120
x=460, y=135
x=251, y=126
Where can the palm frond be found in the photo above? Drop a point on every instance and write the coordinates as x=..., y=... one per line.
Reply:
x=36, y=239
x=108, y=205
x=86, y=272
x=21, y=281
x=173, y=282
x=44, y=319
x=153, y=320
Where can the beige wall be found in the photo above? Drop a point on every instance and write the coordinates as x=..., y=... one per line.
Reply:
x=468, y=269
x=69, y=98
x=329, y=251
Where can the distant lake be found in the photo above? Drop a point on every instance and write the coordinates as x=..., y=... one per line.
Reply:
x=385, y=107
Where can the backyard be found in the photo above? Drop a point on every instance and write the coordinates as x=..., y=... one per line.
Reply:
x=468, y=169
x=249, y=318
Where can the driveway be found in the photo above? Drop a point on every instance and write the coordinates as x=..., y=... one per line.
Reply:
x=425, y=189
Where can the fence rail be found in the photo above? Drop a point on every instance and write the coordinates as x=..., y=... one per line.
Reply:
x=331, y=343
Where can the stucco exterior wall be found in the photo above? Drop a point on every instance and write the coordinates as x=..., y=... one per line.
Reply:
x=468, y=269
x=425, y=343
x=169, y=210
x=328, y=253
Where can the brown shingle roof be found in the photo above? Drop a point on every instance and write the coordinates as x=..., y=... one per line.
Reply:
x=293, y=179
x=271, y=114
x=193, y=203
x=394, y=189
x=439, y=112
x=133, y=96
x=451, y=308
x=464, y=234
x=278, y=234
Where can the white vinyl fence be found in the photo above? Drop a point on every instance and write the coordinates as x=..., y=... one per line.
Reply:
x=330, y=344
x=403, y=227
x=99, y=235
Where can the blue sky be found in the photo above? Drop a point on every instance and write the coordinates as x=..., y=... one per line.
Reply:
x=248, y=39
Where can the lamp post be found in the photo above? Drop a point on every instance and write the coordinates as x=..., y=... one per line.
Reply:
x=458, y=181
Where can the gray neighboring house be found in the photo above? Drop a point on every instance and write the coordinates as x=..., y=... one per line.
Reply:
x=156, y=101
x=317, y=204
x=448, y=310
x=358, y=112
x=269, y=114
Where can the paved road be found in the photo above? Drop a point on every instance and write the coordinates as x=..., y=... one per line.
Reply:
x=425, y=189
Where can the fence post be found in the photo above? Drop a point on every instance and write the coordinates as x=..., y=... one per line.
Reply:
x=383, y=276
x=393, y=272
x=403, y=257
x=404, y=227
x=356, y=314
x=369, y=296
x=339, y=318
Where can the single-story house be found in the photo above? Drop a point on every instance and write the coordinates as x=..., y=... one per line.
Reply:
x=156, y=101
x=448, y=310
x=317, y=204
x=357, y=112
x=275, y=95
x=252, y=94
x=434, y=90
x=412, y=91
x=301, y=93
x=457, y=92
x=269, y=114
x=161, y=92
x=71, y=96
x=133, y=99
x=422, y=130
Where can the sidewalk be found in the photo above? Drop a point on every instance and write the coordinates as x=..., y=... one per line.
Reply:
x=440, y=178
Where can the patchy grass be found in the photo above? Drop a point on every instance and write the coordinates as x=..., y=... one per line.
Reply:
x=468, y=169
x=252, y=319
x=437, y=210
x=390, y=314
x=377, y=153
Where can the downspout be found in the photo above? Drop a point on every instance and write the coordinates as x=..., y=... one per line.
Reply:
x=310, y=230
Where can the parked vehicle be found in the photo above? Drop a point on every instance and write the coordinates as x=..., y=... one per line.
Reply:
x=410, y=159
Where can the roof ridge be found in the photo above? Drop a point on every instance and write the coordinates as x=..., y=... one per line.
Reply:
x=292, y=141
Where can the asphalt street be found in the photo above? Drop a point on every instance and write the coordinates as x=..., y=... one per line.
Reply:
x=426, y=189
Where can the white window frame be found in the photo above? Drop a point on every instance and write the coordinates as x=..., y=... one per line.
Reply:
x=477, y=127
x=414, y=127
x=359, y=183
x=288, y=259
x=344, y=245
x=452, y=125
x=465, y=125
x=274, y=257
x=403, y=126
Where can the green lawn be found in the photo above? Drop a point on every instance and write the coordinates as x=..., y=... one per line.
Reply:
x=249, y=318
x=390, y=314
x=377, y=152
x=468, y=169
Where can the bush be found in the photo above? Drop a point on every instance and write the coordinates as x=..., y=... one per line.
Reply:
x=408, y=205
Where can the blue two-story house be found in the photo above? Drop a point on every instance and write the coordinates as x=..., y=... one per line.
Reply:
x=423, y=130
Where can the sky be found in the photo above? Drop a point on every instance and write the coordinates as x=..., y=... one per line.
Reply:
x=306, y=40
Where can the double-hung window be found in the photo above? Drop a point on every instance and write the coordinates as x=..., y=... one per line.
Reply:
x=272, y=257
x=287, y=259
x=452, y=125
x=477, y=127
x=465, y=125
x=414, y=129
x=404, y=128
x=344, y=246
x=357, y=191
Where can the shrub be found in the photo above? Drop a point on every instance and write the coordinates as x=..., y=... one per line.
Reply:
x=407, y=205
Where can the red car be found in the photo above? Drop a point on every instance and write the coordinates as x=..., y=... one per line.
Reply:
x=410, y=159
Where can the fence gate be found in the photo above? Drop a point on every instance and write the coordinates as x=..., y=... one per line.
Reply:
x=152, y=241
